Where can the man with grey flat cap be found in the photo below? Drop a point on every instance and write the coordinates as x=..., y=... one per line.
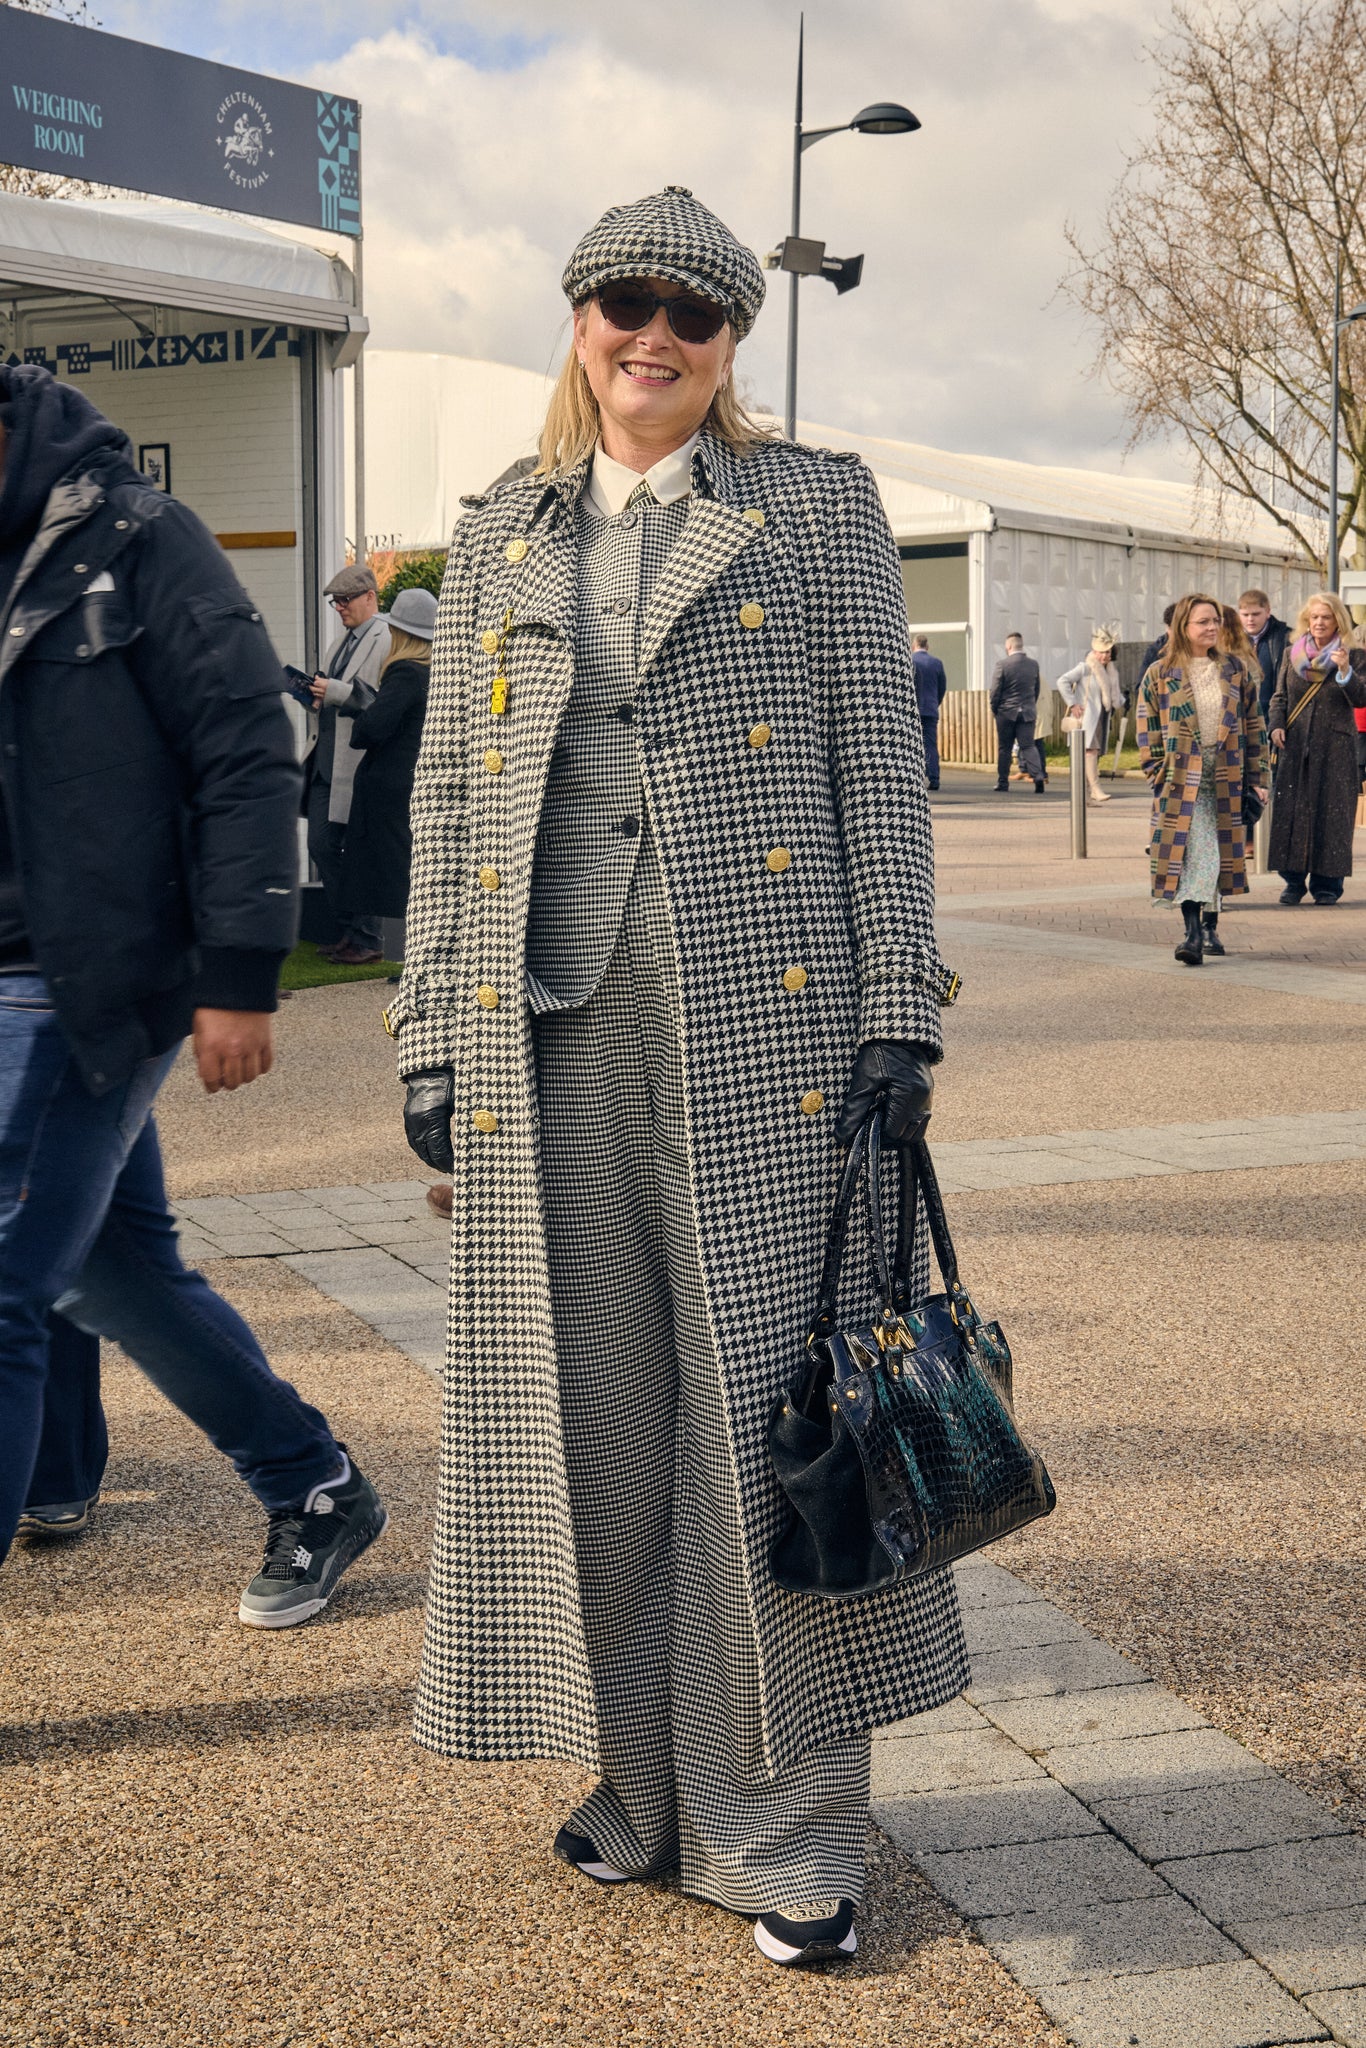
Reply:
x=346, y=687
x=669, y=940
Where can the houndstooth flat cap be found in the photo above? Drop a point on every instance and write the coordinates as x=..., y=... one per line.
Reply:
x=671, y=235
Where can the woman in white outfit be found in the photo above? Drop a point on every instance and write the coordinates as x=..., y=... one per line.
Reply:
x=1091, y=692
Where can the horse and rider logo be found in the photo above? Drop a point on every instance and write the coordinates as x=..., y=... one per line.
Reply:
x=245, y=141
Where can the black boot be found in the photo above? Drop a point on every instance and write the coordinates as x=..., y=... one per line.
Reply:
x=1191, y=951
x=1210, y=932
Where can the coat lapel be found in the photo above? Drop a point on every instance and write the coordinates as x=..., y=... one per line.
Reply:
x=715, y=535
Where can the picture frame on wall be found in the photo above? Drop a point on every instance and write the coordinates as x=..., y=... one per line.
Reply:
x=154, y=460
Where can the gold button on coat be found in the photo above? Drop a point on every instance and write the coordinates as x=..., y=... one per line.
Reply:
x=813, y=1102
x=484, y=1120
x=515, y=550
x=779, y=861
x=489, y=996
x=794, y=979
x=489, y=642
x=760, y=735
x=493, y=761
x=751, y=615
x=490, y=877
x=754, y=515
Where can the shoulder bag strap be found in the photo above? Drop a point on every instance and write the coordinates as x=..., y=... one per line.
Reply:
x=1305, y=701
x=823, y=1322
x=919, y=1182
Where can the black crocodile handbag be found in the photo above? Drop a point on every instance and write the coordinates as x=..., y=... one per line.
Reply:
x=898, y=1452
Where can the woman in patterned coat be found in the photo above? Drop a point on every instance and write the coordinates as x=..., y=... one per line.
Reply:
x=1201, y=742
x=1322, y=680
x=670, y=935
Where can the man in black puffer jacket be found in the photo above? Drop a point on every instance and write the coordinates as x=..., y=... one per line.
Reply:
x=148, y=866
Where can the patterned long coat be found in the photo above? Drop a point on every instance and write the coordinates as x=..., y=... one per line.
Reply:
x=1170, y=755
x=775, y=706
x=1317, y=778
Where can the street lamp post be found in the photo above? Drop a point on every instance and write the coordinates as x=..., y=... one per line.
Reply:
x=885, y=118
x=1340, y=320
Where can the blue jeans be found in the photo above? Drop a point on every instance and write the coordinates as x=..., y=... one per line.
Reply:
x=74, y=1446
x=85, y=1227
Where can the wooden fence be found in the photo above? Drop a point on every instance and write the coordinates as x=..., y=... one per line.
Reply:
x=967, y=730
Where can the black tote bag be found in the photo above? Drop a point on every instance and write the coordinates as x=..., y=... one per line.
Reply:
x=899, y=1450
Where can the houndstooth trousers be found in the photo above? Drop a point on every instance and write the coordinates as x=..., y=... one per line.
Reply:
x=652, y=1488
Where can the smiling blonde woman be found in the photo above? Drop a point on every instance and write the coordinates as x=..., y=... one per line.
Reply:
x=670, y=937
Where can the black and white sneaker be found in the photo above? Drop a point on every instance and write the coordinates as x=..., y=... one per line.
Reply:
x=817, y=1935
x=64, y=1518
x=578, y=1850
x=309, y=1547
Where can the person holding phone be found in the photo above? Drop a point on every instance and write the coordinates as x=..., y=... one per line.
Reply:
x=1321, y=684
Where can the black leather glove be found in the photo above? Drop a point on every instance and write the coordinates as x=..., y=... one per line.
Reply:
x=896, y=1075
x=427, y=1111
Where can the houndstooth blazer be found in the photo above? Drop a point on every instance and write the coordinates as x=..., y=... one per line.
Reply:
x=781, y=760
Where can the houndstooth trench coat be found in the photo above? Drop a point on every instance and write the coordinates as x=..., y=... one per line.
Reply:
x=1170, y=756
x=775, y=707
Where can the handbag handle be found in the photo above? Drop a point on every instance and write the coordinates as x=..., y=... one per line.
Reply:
x=919, y=1179
x=823, y=1322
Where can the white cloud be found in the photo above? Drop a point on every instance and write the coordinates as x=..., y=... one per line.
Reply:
x=480, y=175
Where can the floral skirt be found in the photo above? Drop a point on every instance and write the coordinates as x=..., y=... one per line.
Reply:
x=1200, y=869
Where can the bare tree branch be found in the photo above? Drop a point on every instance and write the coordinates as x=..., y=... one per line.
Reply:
x=1210, y=281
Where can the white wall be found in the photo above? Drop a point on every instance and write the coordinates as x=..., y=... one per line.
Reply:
x=225, y=396
x=1056, y=590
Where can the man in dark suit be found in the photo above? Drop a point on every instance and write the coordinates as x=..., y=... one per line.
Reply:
x=1014, y=704
x=1269, y=635
x=931, y=687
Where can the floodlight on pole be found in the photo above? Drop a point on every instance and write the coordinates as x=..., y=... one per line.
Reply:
x=885, y=117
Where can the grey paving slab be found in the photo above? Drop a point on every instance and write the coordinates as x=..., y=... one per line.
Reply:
x=215, y=1212
x=324, y=1236
x=1309, y=1951
x=1097, y=1771
x=1118, y=1939
x=1023, y=1877
x=942, y=1763
x=948, y=1720
x=983, y=1584
x=1292, y=1877
x=1035, y=1810
x=398, y=1190
x=1223, y=2005
x=1058, y=1667
x=1344, y=2012
x=1107, y=1715
x=257, y=1244
x=1025, y=1625
x=369, y=1282
x=1205, y=1820
x=1291, y=978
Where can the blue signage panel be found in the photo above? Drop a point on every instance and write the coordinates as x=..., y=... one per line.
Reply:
x=80, y=103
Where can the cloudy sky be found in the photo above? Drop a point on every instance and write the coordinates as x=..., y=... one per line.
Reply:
x=495, y=133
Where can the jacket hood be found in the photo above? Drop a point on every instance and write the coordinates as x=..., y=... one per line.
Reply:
x=51, y=429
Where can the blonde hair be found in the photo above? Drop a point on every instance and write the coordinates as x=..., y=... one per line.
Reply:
x=405, y=647
x=573, y=423
x=1336, y=607
x=1234, y=638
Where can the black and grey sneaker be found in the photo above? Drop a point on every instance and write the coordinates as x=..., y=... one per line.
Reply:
x=64, y=1518
x=817, y=1934
x=309, y=1547
x=578, y=1850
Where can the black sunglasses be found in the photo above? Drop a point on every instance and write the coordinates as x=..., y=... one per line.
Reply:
x=631, y=306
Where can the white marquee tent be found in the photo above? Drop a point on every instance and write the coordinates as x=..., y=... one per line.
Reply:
x=988, y=545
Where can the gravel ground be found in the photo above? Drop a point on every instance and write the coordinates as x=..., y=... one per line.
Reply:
x=330, y=1113
x=215, y=1836
x=1189, y=1357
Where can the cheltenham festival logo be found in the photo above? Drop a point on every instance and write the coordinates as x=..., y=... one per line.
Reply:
x=245, y=142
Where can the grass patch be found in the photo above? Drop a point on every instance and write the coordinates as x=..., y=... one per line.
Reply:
x=306, y=968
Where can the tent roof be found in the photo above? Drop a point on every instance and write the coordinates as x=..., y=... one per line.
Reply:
x=927, y=491
x=154, y=253
x=442, y=425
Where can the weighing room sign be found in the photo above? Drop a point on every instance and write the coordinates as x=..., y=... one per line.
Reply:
x=83, y=104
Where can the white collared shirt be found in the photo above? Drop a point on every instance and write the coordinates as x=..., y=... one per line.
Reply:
x=611, y=483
